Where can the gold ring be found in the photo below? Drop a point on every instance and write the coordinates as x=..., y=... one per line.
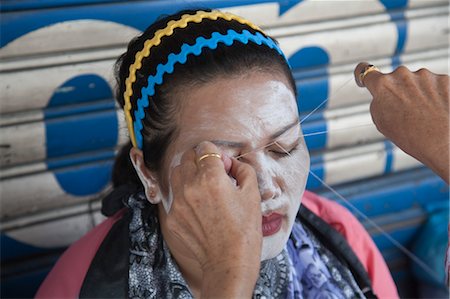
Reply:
x=367, y=69
x=215, y=155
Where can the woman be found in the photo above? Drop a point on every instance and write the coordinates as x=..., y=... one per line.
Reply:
x=211, y=108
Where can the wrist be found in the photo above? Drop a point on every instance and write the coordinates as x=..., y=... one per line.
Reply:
x=439, y=161
x=229, y=282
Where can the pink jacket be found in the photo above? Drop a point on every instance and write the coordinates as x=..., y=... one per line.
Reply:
x=66, y=278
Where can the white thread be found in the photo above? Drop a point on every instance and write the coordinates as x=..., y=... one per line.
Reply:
x=407, y=252
x=256, y=149
x=392, y=240
x=340, y=129
x=304, y=135
x=411, y=255
x=326, y=100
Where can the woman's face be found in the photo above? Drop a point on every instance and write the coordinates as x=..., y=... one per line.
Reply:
x=246, y=114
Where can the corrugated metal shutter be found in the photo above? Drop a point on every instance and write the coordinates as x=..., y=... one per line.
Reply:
x=60, y=127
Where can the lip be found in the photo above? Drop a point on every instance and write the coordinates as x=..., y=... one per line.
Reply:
x=271, y=224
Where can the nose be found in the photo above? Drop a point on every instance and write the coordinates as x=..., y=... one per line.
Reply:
x=266, y=176
x=267, y=185
x=268, y=194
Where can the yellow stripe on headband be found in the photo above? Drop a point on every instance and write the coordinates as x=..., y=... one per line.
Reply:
x=156, y=40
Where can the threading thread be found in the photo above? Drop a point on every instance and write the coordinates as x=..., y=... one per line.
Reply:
x=304, y=135
x=408, y=253
x=324, y=101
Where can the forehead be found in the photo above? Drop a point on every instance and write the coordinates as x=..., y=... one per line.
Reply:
x=251, y=106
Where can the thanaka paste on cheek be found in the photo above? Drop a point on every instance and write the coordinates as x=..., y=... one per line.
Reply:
x=168, y=200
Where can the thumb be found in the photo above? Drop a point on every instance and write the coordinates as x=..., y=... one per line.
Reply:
x=243, y=173
x=226, y=162
x=367, y=75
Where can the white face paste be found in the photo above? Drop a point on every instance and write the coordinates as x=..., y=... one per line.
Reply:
x=249, y=110
x=168, y=200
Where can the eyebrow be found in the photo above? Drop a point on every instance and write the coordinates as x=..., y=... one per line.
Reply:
x=275, y=135
x=284, y=129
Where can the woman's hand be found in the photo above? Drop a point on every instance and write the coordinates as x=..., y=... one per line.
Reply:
x=218, y=220
x=412, y=110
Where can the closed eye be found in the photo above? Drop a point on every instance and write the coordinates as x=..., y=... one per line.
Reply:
x=280, y=153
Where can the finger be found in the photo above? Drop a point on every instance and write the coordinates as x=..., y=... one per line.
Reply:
x=369, y=78
x=208, y=157
x=244, y=174
x=357, y=72
x=226, y=162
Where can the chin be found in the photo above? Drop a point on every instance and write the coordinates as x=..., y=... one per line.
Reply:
x=274, y=244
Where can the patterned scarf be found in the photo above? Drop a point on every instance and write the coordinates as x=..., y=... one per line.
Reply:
x=304, y=269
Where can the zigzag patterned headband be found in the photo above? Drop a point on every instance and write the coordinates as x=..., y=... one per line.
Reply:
x=228, y=39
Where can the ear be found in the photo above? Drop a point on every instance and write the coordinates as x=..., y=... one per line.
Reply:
x=148, y=179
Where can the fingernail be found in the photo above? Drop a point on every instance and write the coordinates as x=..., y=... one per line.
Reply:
x=200, y=148
x=226, y=162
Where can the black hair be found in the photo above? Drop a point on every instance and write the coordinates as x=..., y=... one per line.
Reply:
x=160, y=121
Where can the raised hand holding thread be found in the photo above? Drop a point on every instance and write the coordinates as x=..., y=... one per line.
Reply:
x=412, y=110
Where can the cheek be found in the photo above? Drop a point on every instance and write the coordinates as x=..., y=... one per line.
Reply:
x=294, y=171
x=294, y=177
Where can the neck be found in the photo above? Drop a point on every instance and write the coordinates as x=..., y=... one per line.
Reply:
x=188, y=265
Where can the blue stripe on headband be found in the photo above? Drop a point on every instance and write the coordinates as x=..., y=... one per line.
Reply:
x=228, y=39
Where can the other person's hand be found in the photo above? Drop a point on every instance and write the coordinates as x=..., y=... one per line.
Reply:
x=412, y=110
x=218, y=220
